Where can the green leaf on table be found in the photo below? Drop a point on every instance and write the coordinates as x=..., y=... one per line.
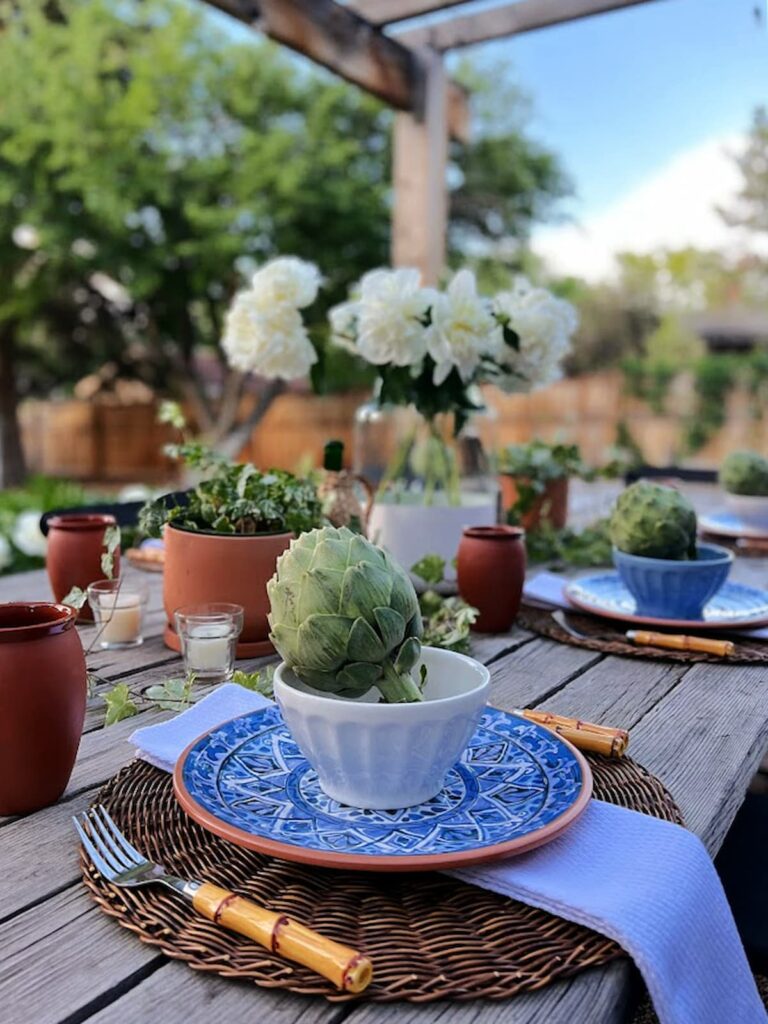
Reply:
x=172, y=414
x=173, y=694
x=447, y=621
x=262, y=680
x=76, y=598
x=430, y=568
x=111, y=544
x=120, y=704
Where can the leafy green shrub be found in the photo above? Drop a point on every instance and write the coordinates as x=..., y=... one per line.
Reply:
x=235, y=498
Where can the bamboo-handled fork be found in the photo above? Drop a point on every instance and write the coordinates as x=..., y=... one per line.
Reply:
x=122, y=864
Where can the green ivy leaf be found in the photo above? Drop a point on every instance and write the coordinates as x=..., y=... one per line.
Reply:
x=262, y=680
x=173, y=694
x=120, y=704
x=76, y=598
x=430, y=568
x=172, y=414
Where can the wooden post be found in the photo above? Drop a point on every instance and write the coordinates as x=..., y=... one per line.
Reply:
x=420, y=211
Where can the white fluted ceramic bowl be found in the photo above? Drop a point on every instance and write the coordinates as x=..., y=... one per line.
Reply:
x=387, y=756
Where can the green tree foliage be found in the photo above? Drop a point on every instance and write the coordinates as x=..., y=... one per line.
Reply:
x=751, y=207
x=148, y=161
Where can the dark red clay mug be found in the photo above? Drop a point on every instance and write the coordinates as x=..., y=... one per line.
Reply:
x=42, y=703
x=73, y=555
x=491, y=573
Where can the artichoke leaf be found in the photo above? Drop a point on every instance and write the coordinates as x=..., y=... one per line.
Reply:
x=332, y=553
x=359, y=675
x=391, y=626
x=415, y=625
x=408, y=655
x=325, y=681
x=364, y=643
x=361, y=550
x=365, y=587
x=318, y=593
x=282, y=604
x=286, y=640
x=322, y=641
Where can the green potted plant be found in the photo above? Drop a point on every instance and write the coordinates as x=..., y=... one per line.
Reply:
x=223, y=538
x=534, y=481
x=744, y=478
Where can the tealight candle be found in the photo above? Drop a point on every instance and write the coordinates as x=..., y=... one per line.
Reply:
x=118, y=611
x=208, y=635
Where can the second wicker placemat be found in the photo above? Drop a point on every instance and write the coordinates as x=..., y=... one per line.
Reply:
x=429, y=936
x=607, y=636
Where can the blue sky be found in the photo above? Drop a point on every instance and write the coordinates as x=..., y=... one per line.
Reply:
x=645, y=107
x=618, y=95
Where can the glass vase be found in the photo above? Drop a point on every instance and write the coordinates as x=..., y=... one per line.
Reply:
x=430, y=482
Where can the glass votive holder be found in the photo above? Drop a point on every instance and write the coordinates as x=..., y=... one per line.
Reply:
x=208, y=635
x=118, y=611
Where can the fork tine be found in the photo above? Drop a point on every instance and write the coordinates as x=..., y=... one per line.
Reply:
x=133, y=853
x=106, y=843
x=98, y=861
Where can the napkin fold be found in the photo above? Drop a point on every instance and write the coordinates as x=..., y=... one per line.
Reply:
x=648, y=884
x=549, y=588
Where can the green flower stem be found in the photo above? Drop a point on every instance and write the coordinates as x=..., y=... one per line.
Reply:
x=398, y=688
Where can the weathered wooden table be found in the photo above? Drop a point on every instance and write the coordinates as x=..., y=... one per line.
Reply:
x=702, y=729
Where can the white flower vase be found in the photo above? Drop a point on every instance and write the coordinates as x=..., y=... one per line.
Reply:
x=430, y=484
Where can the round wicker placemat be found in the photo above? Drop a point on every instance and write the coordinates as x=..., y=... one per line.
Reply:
x=429, y=936
x=607, y=636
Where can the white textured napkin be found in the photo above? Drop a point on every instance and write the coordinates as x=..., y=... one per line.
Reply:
x=645, y=883
x=549, y=588
x=163, y=744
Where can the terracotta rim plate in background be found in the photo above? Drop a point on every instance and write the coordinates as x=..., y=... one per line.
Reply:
x=726, y=524
x=734, y=606
x=517, y=786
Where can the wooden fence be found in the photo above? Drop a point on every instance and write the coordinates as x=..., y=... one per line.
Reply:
x=91, y=441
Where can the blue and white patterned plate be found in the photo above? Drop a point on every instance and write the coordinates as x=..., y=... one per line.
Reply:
x=726, y=524
x=734, y=606
x=517, y=786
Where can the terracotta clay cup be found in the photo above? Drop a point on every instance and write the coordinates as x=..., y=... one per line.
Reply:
x=551, y=506
x=73, y=555
x=42, y=703
x=201, y=568
x=491, y=573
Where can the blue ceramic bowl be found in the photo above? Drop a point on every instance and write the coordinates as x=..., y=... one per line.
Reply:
x=664, y=588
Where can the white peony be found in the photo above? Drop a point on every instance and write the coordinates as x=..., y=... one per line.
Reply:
x=6, y=555
x=544, y=324
x=390, y=311
x=270, y=341
x=27, y=535
x=343, y=320
x=463, y=329
x=286, y=281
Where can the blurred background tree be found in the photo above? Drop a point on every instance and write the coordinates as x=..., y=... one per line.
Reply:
x=148, y=161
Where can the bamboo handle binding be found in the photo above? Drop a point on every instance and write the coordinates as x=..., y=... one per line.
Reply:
x=641, y=637
x=345, y=967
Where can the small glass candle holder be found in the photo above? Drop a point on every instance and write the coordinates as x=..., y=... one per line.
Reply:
x=118, y=611
x=208, y=634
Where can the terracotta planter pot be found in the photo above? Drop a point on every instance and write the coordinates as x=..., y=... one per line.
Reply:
x=42, y=703
x=73, y=555
x=491, y=572
x=205, y=567
x=551, y=506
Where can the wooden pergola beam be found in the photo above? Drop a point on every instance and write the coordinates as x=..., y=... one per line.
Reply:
x=345, y=43
x=508, y=20
x=388, y=11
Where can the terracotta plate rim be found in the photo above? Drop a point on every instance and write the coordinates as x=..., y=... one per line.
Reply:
x=648, y=620
x=387, y=863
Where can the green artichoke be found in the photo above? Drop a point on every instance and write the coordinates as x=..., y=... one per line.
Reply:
x=345, y=617
x=653, y=521
x=745, y=473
